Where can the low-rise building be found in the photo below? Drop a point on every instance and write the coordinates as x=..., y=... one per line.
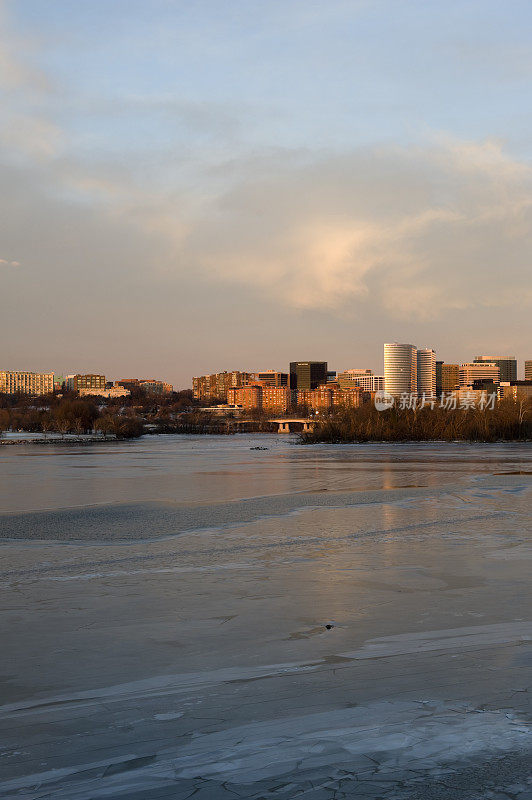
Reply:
x=330, y=395
x=516, y=390
x=75, y=383
x=148, y=385
x=108, y=392
x=363, y=378
x=153, y=386
x=248, y=397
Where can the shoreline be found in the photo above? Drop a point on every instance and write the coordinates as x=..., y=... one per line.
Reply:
x=95, y=440
x=300, y=440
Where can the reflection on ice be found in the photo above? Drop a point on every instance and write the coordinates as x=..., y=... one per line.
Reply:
x=164, y=619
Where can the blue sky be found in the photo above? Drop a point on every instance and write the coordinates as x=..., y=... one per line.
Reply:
x=320, y=176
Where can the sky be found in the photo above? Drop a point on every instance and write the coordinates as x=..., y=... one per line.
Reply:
x=188, y=187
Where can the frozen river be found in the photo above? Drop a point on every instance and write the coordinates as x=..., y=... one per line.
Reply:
x=190, y=617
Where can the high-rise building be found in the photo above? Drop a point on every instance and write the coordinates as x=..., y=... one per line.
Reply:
x=450, y=378
x=528, y=370
x=439, y=365
x=507, y=365
x=307, y=375
x=36, y=383
x=363, y=378
x=426, y=372
x=77, y=382
x=478, y=371
x=400, y=368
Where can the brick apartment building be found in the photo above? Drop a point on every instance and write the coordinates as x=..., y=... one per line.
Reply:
x=216, y=386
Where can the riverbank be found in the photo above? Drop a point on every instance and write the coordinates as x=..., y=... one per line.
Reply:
x=50, y=440
x=507, y=422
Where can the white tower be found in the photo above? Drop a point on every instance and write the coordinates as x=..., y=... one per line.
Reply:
x=400, y=368
x=426, y=372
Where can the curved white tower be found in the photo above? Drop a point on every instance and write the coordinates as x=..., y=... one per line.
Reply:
x=400, y=368
x=426, y=372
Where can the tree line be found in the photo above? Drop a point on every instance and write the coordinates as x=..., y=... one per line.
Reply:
x=70, y=415
x=508, y=421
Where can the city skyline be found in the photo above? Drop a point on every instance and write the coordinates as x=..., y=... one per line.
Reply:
x=268, y=180
x=523, y=370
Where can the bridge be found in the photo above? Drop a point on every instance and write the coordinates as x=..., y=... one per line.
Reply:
x=286, y=425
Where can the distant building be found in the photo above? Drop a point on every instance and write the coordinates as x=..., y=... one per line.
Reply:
x=400, y=368
x=248, y=397
x=261, y=397
x=478, y=370
x=426, y=372
x=321, y=398
x=528, y=370
x=516, y=390
x=363, y=378
x=349, y=397
x=108, y=392
x=507, y=365
x=276, y=399
x=148, y=385
x=307, y=375
x=216, y=386
x=152, y=386
x=447, y=377
x=271, y=377
x=128, y=383
x=37, y=383
x=328, y=396
x=75, y=383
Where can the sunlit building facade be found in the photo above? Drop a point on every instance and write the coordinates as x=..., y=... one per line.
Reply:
x=507, y=365
x=363, y=378
x=216, y=386
x=75, y=383
x=478, y=371
x=426, y=372
x=35, y=383
x=400, y=368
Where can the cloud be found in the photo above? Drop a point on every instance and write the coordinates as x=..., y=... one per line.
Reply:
x=416, y=231
x=6, y=263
